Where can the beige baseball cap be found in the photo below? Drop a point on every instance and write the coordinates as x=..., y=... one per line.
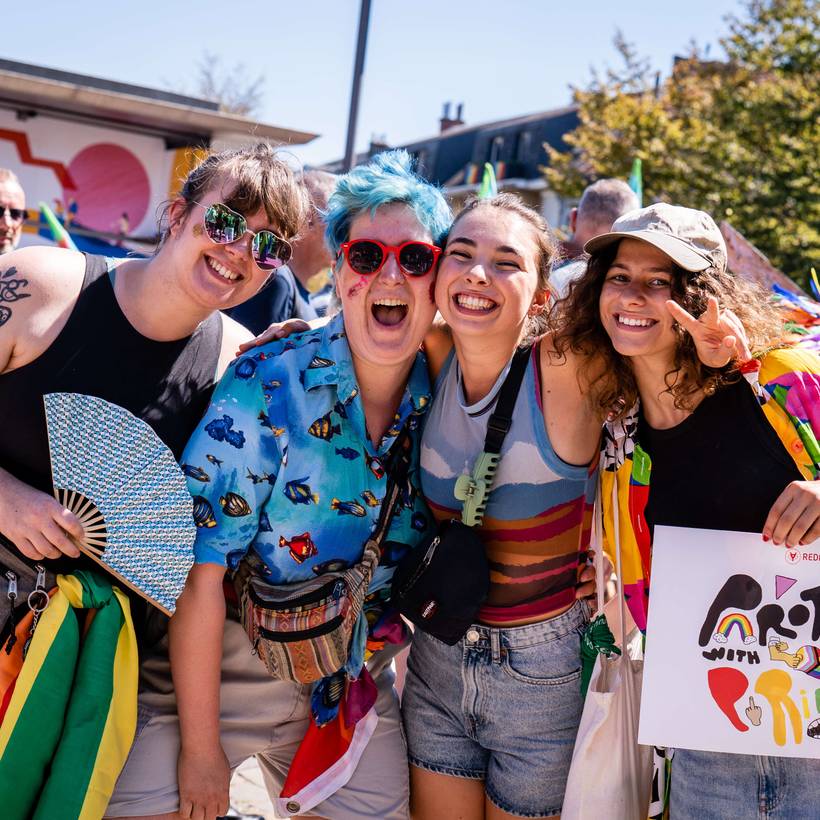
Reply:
x=688, y=237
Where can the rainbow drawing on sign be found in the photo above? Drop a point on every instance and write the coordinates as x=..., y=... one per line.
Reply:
x=734, y=620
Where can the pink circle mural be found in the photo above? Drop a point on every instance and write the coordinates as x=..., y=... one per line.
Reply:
x=110, y=181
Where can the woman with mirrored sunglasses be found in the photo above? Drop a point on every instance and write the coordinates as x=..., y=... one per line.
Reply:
x=146, y=335
x=297, y=446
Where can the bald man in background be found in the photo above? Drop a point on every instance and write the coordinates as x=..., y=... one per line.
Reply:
x=600, y=205
x=12, y=210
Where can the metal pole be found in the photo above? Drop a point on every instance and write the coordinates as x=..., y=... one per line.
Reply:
x=358, y=70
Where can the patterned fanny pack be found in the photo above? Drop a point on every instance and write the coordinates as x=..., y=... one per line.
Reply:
x=302, y=631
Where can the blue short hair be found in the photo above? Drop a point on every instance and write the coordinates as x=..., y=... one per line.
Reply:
x=389, y=177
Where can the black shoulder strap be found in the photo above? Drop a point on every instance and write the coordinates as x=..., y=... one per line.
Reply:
x=397, y=472
x=501, y=420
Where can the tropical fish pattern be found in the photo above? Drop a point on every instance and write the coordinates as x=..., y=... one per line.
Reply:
x=370, y=499
x=300, y=547
x=348, y=508
x=298, y=479
x=324, y=428
x=203, y=512
x=298, y=492
x=221, y=430
x=197, y=473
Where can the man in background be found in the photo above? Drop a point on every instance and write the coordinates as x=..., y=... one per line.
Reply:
x=12, y=210
x=600, y=205
x=286, y=295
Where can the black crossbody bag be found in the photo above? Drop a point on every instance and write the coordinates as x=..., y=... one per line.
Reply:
x=441, y=585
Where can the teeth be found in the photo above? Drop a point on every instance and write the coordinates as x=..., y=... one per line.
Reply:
x=390, y=303
x=474, y=302
x=222, y=271
x=625, y=320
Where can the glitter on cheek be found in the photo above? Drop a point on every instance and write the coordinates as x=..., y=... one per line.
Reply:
x=354, y=291
x=197, y=230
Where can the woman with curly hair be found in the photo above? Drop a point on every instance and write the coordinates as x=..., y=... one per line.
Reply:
x=731, y=447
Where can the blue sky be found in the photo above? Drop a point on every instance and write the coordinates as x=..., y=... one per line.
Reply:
x=501, y=58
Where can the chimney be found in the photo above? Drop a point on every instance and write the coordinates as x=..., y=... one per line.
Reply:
x=378, y=143
x=446, y=122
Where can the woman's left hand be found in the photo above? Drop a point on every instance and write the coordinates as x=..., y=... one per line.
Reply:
x=794, y=519
x=719, y=336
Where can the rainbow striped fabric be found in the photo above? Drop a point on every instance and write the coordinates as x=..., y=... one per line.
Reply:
x=70, y=709
x=538, y=522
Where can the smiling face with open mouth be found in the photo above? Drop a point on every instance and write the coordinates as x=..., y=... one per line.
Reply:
x=633, y=301
x=386, y=313
x=220, y=276
x=487, y=278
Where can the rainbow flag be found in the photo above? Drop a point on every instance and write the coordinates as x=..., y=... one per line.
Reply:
x=70, y=708
x=636, y=180
x=58, y=231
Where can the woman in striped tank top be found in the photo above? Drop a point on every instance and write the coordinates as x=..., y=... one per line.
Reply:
x=491, y=722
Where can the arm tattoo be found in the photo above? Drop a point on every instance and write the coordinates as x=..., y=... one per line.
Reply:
x=11, y=290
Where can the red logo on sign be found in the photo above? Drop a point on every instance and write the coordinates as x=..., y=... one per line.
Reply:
x=793, y=556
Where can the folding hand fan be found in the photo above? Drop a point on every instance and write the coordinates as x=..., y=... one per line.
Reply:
x=113, y=472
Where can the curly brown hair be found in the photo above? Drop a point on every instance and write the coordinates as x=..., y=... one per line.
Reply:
x=578, y=328
x=546, y=248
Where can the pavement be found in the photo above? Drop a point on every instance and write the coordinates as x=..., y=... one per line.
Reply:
x=248, y=796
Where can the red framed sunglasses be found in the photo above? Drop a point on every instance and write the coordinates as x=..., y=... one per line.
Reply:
x=367, y=256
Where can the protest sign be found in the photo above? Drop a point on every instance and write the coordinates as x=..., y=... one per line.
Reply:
x=733, y=645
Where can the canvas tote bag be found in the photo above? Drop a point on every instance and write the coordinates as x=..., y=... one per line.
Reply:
x=610, y=775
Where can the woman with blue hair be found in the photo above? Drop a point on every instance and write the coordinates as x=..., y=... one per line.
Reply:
x=289, y=468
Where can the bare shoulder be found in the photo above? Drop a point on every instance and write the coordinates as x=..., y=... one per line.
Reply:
x=38, y=288
x=233, y=335
x=571, y=415
x=438, y=342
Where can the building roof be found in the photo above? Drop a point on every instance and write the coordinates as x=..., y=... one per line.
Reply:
x=182, y=120
x=515, y=145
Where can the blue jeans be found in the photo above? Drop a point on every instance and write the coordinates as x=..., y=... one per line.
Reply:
x=717, y=786
x=502, y=706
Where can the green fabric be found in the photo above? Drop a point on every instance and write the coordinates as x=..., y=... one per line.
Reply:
x=51, y=753
x=73, y=764
x=596, y=640
x=24, y=764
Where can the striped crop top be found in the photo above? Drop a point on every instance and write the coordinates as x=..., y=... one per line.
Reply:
x=537, y=525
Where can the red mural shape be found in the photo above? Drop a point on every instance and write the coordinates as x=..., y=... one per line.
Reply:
x=727, y=687
x=110, y=181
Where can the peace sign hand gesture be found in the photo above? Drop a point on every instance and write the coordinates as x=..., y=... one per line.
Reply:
x=719, y=336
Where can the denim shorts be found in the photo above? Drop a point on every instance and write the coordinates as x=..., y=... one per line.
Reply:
x=715, y=786
x=502, y=706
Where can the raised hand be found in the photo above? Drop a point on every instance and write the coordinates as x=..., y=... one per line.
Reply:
x=719, y=336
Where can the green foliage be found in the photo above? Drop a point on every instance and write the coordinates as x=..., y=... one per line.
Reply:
x=739, y=138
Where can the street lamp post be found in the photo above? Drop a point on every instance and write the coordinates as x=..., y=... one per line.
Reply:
x=358, y=70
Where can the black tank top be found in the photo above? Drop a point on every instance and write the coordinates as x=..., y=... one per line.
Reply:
x=99, y=353
x=721, y=468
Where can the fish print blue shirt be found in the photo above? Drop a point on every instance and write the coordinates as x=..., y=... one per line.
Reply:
x=281, y=463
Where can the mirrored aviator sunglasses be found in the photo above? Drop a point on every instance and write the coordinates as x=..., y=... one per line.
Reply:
x=224, y=226
x=367, y=256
